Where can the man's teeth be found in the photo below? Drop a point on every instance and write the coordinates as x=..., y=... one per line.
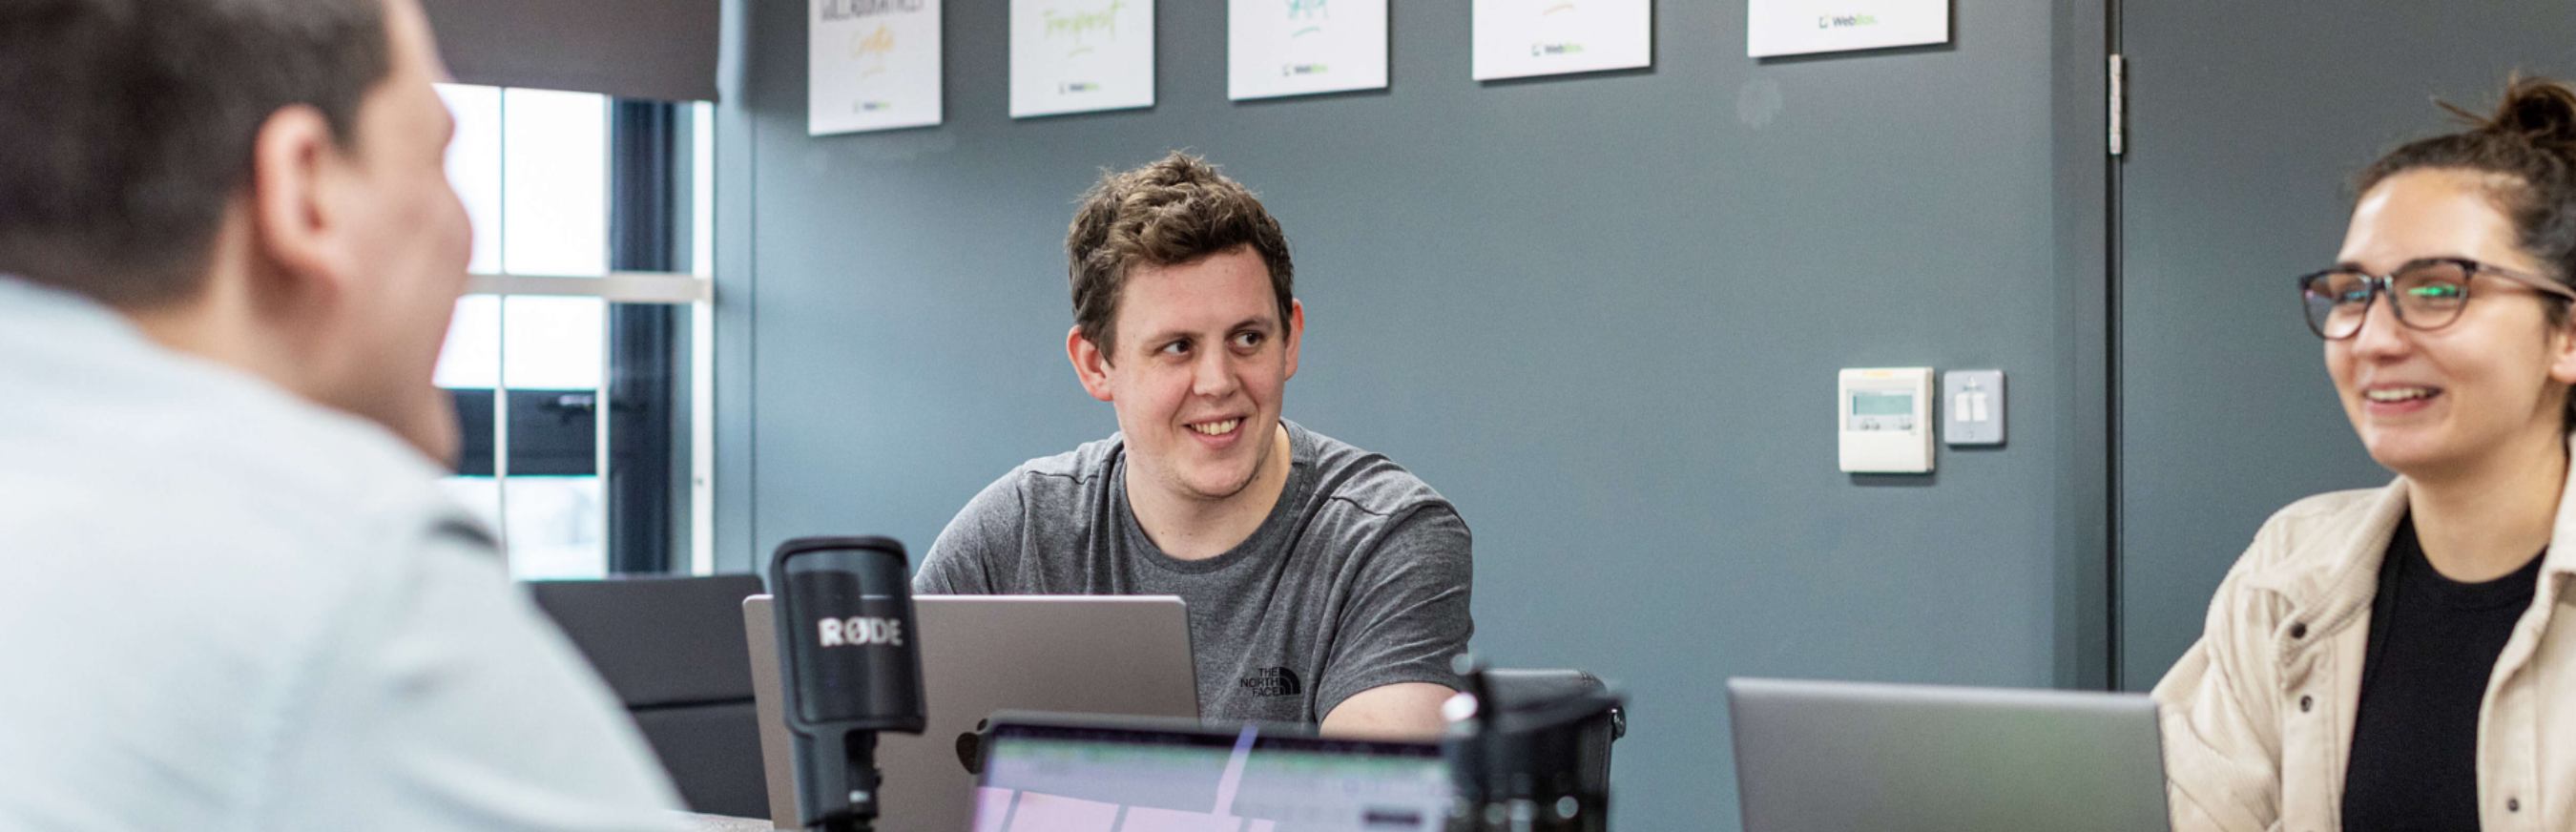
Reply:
x=2398, y=394
x=1217, y=428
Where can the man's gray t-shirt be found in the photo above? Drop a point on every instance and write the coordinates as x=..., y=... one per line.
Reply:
x=1358, y=578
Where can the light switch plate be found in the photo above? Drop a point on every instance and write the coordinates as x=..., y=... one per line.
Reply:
x=1972, y=407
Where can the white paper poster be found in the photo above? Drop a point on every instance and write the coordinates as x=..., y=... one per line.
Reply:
x=1070, y=56
x=1799, y=27
x=1296, y=47
x=1519, y=38
x=873, y=65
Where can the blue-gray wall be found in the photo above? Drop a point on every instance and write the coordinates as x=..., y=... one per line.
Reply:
x=1602, y=314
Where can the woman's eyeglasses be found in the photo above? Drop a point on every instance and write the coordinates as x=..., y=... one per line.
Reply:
x=2425, y=294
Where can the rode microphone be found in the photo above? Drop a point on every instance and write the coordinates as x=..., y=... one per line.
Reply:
x=850, y=668
x=1537, y=765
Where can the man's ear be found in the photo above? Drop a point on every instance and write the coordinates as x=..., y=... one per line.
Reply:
x=1089, y=363
x=1296, y=333
x=292, y=165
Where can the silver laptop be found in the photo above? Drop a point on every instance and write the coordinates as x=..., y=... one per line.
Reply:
x=1056, y=772
x=984, y=653
x=1816, y=756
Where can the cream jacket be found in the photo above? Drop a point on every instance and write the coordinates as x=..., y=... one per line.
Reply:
x=2258, y=716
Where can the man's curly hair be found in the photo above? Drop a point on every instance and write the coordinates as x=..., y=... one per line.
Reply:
x=1175, y=211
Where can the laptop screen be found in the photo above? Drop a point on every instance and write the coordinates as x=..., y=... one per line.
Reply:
x=1055, y=778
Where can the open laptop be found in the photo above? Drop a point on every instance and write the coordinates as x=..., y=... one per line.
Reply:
x=985, y=653
x=1061, y=773
x=1816, y=756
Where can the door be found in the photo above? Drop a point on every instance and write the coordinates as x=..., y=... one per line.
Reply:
x=2247, y=122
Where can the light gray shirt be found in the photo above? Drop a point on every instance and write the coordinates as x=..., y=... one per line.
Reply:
x=225, y=608
x=1358, y=578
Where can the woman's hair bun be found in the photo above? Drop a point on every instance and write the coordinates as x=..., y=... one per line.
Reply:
x=2538, y=110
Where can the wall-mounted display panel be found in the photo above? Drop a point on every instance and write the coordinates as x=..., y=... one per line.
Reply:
x=1298, y=47
x=1800, y=27
x=1522, y=38
x=873, y=65
x=1071, y=56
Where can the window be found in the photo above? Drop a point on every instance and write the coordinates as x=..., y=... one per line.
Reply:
x=593, y=222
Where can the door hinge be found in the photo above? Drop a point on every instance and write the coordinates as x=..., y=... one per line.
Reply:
x=2119, y=103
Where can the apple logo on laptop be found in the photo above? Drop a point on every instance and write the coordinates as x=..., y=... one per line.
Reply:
x=970, y=750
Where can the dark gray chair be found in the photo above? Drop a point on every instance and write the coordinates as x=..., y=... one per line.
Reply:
x=672, y=649
x=1526, y=689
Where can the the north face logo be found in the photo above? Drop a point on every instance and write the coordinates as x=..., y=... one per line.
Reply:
x=1273, y=681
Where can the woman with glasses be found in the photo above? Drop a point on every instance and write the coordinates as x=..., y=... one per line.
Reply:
x=2398, y=658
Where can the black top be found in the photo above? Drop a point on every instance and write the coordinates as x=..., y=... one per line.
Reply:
x=2433, y=641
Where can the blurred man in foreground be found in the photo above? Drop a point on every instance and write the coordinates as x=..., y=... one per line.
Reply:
x=236, y=597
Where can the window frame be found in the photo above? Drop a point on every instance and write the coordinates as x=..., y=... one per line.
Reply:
x=672, y=170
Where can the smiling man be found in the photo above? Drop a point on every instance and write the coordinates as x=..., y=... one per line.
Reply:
x=1325, y=583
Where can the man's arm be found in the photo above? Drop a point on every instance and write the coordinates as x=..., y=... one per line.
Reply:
x=1401, y=711
x=1407, y=616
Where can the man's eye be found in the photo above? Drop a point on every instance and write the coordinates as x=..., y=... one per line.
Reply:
x=1176, y=348
x=1248, y=340
x=2438, y=291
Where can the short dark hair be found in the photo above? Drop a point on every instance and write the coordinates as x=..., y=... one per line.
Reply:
x=2529, y=145
x=1172, y=212
x=131, y=124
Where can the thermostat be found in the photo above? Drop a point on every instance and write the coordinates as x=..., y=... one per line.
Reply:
x=1884, y=416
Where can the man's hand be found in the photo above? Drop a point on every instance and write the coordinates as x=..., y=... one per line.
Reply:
x=1401, y=711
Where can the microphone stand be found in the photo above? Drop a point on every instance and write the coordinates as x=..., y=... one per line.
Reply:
x=860, y=772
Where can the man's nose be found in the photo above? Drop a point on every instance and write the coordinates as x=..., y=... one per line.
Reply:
x=1212, y=375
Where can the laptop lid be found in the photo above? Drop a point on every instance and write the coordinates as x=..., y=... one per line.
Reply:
x=986, y=653
x=1816, y=756
x=1063, y=773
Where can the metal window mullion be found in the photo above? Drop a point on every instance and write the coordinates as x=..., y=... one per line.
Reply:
x=600, y=401
x=642, y=204
x=501, y=428
x=601, y=424
x=702, y=438
x=614, y=287
x=501, y=333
